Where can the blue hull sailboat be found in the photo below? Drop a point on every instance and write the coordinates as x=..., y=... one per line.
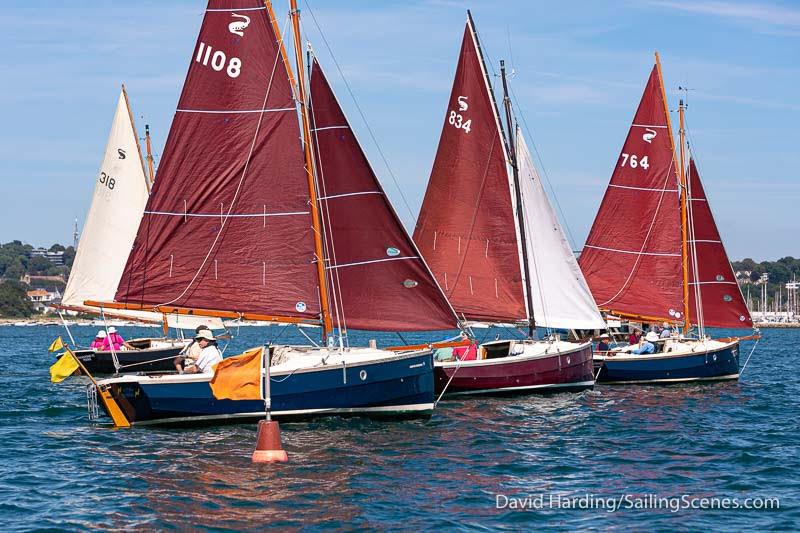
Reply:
x=246, y=222
x=654, y=255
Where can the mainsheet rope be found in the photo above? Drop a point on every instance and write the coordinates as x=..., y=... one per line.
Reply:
x=241, y=179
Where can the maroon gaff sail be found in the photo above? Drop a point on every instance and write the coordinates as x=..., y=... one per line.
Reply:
x=466, y=228
x=378, y=278
x=710, y=272
x=227, y=226
x=632, y=257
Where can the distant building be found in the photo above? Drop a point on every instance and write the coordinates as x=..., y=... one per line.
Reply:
x=57, y=258
x=42, y=297
x=27, y=278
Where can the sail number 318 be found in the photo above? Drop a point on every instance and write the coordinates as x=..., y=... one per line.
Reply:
x=218, y=60
x=634, y=161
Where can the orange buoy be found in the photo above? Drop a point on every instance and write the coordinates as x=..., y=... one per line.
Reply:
x=268, y=444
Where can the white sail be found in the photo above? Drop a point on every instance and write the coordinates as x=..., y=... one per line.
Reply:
x=120, y=195
x=561, y=297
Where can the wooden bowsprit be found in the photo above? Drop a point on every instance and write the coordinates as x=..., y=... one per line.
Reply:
x=113, y=408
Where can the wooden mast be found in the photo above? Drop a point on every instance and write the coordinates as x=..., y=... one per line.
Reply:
x=512, y=157
x=684, y=220
x=312, y=190
x=135, y=136
x=149, y=155
x=682, y=180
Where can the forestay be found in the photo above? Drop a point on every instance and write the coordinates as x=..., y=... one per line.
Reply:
x=228, y=226
x=376, y=274
x=561, y=297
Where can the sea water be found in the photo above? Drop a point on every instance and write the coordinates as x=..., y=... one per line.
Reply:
x=642, y=457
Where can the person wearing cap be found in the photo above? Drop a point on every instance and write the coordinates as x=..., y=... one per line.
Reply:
x=666, y=332
x=209, y=354
x=646, y=345
x=115, y=339
x=191, y=352
x=99, y=340
x=603, y=345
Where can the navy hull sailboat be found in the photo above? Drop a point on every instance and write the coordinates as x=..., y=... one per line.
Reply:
x=655, y=255
x=247, y=222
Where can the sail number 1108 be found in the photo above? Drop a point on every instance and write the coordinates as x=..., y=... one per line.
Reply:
x=219, y=61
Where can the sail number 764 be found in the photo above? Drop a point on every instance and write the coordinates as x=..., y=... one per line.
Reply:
x=634, y=161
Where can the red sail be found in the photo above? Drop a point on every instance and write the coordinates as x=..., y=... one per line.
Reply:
x=376, y=274
x=227, y=225
x=466, y=229
x=722, y=304
x=632, y=257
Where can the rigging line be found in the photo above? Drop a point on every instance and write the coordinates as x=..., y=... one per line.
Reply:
x=360, y=112
x=225, y=219
x=530, y=237
x=698, y=296
x=646, y=238
x=335, y=287
x=529, y=131
x=544, y=169
x=475, y=212
x=694, y=157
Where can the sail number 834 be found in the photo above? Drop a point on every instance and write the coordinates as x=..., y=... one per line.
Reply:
x=634, y=161
x=457, y=121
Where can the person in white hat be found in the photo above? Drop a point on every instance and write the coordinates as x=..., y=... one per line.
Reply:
x=191, y=352
x=116, y=340
x=646, y=345
x=209, y=354
x=99, y=340
x=603, y=345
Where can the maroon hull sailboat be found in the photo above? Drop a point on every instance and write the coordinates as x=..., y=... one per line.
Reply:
x=492, y=240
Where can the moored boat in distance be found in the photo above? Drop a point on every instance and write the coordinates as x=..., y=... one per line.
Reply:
x=496, y=246
x=654, y=254
x=275, y=230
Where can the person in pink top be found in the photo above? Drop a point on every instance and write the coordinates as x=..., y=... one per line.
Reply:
x=116, y=340
x=99, y=341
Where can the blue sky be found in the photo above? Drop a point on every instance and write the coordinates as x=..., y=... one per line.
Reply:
x=580, y=67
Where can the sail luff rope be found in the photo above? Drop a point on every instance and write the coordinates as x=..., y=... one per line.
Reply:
x=646, y=239
x=333, y=273
x=361, y=113
x=223, y=224
x=530, y=236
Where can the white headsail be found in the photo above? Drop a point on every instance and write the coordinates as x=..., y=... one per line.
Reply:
x=561, y=297
x=120, y=195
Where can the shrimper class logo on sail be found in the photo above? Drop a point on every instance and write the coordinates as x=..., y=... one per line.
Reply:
x=635, y=502
x=217, y=59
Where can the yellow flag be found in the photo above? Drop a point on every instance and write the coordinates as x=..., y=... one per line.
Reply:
x=63, y=368
x=56, y=345
x=239, y=377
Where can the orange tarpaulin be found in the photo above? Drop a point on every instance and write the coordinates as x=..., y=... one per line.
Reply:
x=239, y=377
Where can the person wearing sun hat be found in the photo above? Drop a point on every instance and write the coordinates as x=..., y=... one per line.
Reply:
x=602, y=345
x=209, y=354
x=647, y=344
x=191, y=352
x=99, y=340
